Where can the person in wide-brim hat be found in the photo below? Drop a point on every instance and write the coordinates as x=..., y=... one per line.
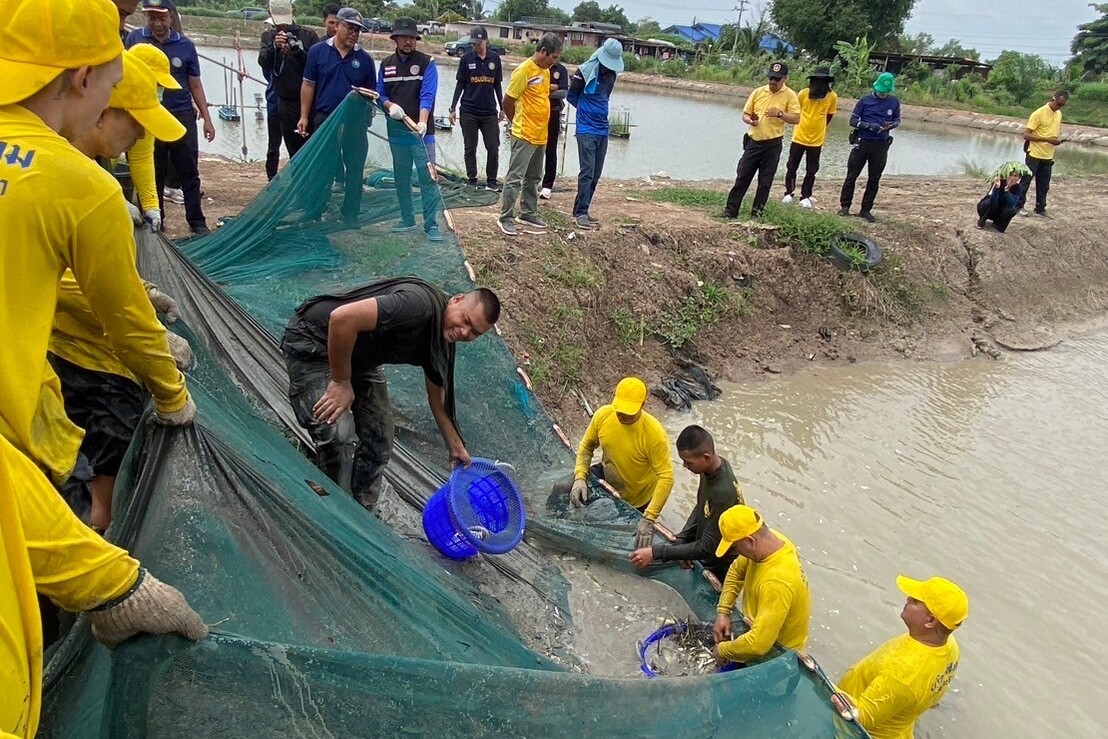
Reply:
x=405, y=27
x=818, y=103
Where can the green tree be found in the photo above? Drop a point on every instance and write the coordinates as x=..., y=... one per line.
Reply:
x=816, y=25
x=855, y=60
x=1020, y=74
x=647, y=27
x=922, y=44
x=1090, y=45
x=954, y=48
x=588, y=11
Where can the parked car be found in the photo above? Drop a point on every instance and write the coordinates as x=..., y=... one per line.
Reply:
x=464, y=46
x=431, y=28
x=378, y=25
x=249, y=14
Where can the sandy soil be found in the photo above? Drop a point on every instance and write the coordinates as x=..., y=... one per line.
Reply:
x=582, y=308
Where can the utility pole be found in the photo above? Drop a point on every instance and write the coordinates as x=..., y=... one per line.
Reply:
x=740, y=7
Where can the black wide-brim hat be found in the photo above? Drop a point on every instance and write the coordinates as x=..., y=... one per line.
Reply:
x=821, y=73
x=405, y=27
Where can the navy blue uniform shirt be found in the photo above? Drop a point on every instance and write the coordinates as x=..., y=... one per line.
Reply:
x=871, y=113
x=479, y=84
x=183, y=63
x=334, y=74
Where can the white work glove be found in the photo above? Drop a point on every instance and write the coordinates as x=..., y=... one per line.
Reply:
x=154, y=218
x=180, y=349
x=182, y=417
x=396, y=112
x=153, y=608
x=644, y=533
x=579, y=493
x=136, y=214
x=421, y=128
x=163, y=303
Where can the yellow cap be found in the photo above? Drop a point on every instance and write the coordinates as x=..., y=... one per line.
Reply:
x=137, y=93
x=158, y=63
x=946, y=601
x=630, y=396
x=42, y=40
x=737, y=522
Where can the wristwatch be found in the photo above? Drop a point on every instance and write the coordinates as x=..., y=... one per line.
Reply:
x=780, y=114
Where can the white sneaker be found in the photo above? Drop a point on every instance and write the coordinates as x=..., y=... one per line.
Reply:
x=787, y=199
x=545, y=193
x=806, y=203
x=173, y=195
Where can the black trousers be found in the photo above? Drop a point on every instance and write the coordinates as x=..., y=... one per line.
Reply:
x=870, y=154
x=184, y=156
x=761, y=157
x=1000, y=215
x=349, y=163
x=489, y=128
x=553, y=133
x=810, y=154
x=288, y=114
x=354, y=450
x=1040, y=172
x=272, y=144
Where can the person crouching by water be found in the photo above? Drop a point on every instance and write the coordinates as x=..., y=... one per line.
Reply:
x=634, y=459
x=1001, y=204
x=718, y=491
x=896, y=683
x=776, y=602
x=818, y=103
x=334, y=348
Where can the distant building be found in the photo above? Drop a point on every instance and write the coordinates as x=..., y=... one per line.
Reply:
x=776, y=46
x=590, y=35
x=888, y=62
x=697, y=33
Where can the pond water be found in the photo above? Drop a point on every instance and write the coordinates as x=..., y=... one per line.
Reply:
x=688, y=136
x=989, y=473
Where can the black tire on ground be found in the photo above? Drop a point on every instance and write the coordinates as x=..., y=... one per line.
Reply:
x=845, y=260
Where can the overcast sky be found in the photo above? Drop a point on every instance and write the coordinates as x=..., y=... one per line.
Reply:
x=990, y=26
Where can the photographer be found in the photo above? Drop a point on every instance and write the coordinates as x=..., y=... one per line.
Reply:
x=282, y=58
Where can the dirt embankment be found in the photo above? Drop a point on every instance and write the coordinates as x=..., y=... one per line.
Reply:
x=584, y=308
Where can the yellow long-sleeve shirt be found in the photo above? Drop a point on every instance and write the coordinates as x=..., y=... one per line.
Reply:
x=59, y=209
x=776, y=600
x=43, y=548
x=140, y=160
x=895, y=683
x=635, y=457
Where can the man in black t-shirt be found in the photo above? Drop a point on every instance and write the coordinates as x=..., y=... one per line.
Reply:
x=480, y=75
x=718, y=491
x=283, y=54
x=334, y=347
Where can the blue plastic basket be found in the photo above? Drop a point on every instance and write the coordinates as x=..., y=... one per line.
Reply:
x=479, y=509
x=666, y=632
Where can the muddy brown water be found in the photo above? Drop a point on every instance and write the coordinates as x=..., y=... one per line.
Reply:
x=689, y=136
x=989, y=473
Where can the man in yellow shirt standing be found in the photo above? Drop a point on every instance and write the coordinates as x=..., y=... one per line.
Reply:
x=818, y=103
x=1043, y=128
x=895, y=683
x=776, y=601
x=635, y=457
x=767, y=111
x=527, y=106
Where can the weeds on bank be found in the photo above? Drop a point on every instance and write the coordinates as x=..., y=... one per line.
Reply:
x=571, y=269
x=883, y=292
x=712, y=303
x=689, y=197
x=629, y=327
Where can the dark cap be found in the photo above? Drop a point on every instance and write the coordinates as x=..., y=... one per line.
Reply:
x=158, y=6
x=405, y=27
x=351, y=16
x=821, y=73
x=778, y=69
x=478, y=33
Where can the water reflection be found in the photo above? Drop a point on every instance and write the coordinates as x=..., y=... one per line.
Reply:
x=991, y=474
x=688, y=136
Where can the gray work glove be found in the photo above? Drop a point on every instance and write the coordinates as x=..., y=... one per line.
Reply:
x=180, y=349
x=182, y=417
x=163, y=303
x=579, y=493
x=154, y=218
x=396, y=112
x=644, y=533
x=135, y=213
x=153, y=608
